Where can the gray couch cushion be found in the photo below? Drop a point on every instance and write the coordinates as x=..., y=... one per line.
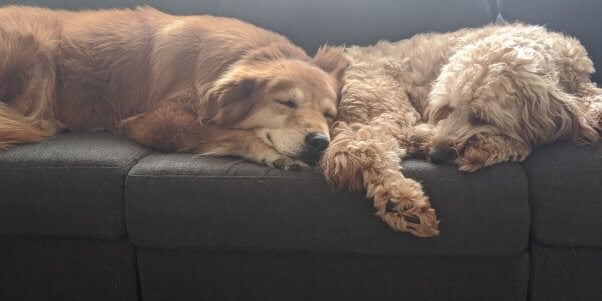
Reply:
x=579, y=18
x=182, y=201
x=311, y=23
x=565, y=188
x=290, y=276
x=71, y=186
x=559, y=274
x=53, y=269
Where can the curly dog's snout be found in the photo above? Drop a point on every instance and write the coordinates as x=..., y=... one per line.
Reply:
x=443, y=155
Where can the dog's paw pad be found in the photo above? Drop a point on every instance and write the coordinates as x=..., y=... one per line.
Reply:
x=412, y=219
x=390, y=207
x=405, y=208
x=395, y=205
x=295, y=167
x=420, y=222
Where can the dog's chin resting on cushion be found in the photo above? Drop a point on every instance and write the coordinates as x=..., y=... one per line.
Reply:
x=473, y=97
x=198, y=84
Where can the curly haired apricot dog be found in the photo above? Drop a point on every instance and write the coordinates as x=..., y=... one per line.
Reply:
x=474, y=97
x=198, y=84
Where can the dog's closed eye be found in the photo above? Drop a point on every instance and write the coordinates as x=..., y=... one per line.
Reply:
x=289, y=103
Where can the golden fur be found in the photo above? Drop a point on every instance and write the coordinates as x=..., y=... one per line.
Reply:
x=198, y=84
x=474, y=97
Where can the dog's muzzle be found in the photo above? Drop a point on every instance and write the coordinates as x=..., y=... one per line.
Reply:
x=315, y=144
x=443, y=155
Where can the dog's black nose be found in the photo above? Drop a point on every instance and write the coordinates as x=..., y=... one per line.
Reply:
x=443, y=155
x=316, y=142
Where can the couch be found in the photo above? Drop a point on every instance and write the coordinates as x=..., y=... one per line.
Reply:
x=88, y=216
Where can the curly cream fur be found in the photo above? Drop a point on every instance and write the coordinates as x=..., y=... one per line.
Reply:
x=489, y=95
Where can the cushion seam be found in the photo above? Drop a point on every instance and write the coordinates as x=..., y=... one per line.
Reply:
x=129, y=163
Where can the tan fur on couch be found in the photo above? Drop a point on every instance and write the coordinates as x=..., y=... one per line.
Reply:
x=474, y=97
x=198, y=84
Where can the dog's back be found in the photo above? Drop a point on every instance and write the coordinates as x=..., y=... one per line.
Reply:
x=112, y=64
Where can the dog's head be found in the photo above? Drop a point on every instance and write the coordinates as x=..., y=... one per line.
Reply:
x=289, y=103
x=485, y=114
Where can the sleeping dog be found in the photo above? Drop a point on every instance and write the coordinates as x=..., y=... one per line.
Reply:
x=199, y=84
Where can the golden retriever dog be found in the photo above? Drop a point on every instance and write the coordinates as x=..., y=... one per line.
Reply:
x=198, y=84
x=473, y=97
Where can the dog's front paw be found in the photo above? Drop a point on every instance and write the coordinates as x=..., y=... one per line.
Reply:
x=287, y=163
x=474, y=159
x=487, y=150
x=405, y=208
x=465, y=164
x=420, y=139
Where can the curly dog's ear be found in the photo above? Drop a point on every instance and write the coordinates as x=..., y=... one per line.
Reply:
x=552, y=114
x=573, y=121
x=230, y=99
x=332, y=60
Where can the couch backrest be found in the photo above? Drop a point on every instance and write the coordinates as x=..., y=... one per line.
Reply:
x=311, y=23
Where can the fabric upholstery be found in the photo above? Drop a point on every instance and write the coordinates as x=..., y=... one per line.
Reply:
x=221, y=228
x=67, y=269
x=70, y=186
x=218, y=275
x=182, y=201
x=311, y=23
x=565, y=193
x=579, y=18
x=571, y=273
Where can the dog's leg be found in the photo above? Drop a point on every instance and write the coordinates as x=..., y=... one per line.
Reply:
x=173, y=129
x=27, y=82
x=595, y=111
x=368, y=156
x=591, y=96
x=487, y=150
x=16, y=129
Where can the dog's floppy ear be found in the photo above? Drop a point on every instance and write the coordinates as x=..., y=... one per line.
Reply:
x=552, y=114
x=332, y=60
x=230, y=100
x=572, y=121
